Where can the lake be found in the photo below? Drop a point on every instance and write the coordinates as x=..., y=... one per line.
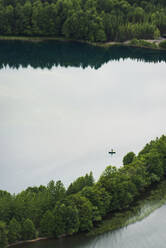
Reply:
x=65, y=105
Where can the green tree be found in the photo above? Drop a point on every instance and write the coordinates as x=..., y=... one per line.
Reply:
x=119, y=185
x=71, y=218
x=99, y=197
x=14, y=231
x=9, y=17
x=28, y=230
x=6, y=201
x=26, y=20
x=37, y=16
x=59, y=213
x=157, y=33
x=3, y=235
x=137, y=14
x=80, y=183
x=138, y=174
x=56, y=192
x=85, y=211
x=47, y=225
x=153, y=163
x=128, y=158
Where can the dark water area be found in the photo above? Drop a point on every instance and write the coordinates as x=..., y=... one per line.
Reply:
x=53, y=53
x=148, y=233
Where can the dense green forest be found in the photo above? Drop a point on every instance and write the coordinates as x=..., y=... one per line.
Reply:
x=53, y=210
x=91, y=20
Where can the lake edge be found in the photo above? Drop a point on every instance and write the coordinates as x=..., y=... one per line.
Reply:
x=38, y=39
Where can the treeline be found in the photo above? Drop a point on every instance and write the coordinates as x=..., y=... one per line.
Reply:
x=53, y=211
x=15, y=54
x=91, y=20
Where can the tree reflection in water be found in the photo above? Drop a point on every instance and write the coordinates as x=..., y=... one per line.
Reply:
x=53, y=53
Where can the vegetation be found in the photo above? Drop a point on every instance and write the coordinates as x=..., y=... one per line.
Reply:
x=3, y=235
x=90, y=20
x=128, y=158
x=149, y=201
x=143, y=43
x=28, y=230
x=163, y=44
x=53, y=211
x=14, y=231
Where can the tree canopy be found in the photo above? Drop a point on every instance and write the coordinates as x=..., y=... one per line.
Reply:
x=89, y=20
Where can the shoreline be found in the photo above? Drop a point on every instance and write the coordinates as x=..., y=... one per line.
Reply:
x=27, y=241
x=37, y=39
x=147, y=203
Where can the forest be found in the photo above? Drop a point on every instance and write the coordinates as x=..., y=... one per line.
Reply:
x=54, y=211
x=88, y=20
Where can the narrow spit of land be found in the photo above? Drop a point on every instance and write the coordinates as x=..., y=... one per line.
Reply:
x=149, y=44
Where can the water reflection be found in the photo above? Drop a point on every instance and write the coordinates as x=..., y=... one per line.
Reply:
x=51, y=53
x=59, y=123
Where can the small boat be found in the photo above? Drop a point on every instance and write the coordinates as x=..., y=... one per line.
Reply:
x=112, y=152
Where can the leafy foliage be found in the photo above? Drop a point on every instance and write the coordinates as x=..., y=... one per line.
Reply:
x=28, y=230
x=128, y=158
x=3, y=235
x=14, y=231
x=47, y=224
x=91, y=20
x=80, y=183
x=163, y=44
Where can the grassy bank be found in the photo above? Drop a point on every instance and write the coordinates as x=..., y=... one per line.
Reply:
x=149, y=44
x=32, y=39
x=42, y=38
x=28, y=241
x=144, y=206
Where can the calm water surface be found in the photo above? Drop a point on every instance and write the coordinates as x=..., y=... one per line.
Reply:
x=63, y=106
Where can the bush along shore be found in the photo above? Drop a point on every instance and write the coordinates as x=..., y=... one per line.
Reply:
x=115, y=200
x=88, y=20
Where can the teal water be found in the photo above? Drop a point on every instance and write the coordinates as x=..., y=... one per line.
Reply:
x=65, y=105
x=42, y=55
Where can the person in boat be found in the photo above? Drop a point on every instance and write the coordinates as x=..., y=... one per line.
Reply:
x=112, y=152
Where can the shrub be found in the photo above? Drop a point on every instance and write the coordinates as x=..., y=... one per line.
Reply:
x=163, y=44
